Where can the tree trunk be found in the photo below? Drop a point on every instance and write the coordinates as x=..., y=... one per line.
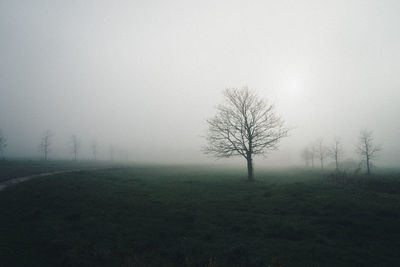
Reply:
x=368, y=167
x=337, y=162
x=250, y=175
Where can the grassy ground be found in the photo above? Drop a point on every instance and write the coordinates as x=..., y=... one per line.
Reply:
x=191, y=216
x=18, y=168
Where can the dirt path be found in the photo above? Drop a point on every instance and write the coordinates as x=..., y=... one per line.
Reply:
x=18, y=180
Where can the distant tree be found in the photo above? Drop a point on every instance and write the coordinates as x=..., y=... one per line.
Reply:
x=321, y=151
x=313, y=152
x=366, y=148
x=245, y=125
x=307, y=156
x=94, y=149
x=111, y=152
x=46, y=143
x=3, y=144
x=75, y=145
x=123, y=155
x=336, y=151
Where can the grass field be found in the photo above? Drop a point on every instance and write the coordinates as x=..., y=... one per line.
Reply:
x=198, y=216
x=18, y=168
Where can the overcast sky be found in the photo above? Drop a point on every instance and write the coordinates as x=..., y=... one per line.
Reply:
x=144, y=76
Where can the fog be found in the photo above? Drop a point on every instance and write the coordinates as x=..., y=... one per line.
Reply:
x=144, y=76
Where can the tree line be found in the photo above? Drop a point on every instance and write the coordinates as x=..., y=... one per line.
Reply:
x=245, y=125
x=365, y=148
x=46, y=142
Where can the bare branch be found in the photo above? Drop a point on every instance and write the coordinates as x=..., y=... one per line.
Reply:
x=46, y=143
x=75, y=145
x=336, y=151
x=366, y=148
x=321, y=151
x=244, y=126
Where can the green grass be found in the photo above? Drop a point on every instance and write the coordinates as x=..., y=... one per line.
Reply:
x=184, y=216
x=18, y=168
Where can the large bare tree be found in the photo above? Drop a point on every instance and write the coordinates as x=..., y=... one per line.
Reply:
x=75, y=145
x=46, y=143
x=245, y=125
x=366, y=148
x=3, y=144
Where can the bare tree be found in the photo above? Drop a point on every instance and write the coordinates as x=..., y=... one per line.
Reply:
x=111, y=152
x=313, y=152
x=3, y=144
x=336, y=151
x=75, y=145
x=307, y=156
x=46, y=143
x=245, y=126
x=94, y=149
x=366, y=148
x=309, y=153
x=123, y=155
x=321, y=151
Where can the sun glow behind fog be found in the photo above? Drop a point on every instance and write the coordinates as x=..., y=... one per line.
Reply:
x=294, y=88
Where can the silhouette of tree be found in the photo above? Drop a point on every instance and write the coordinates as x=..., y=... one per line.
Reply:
x=308, y=156
x=111, y=152
x=94, y=149
x=46, y=143
x=75, y=146
x=321, y=151
x=245, y=125
x=336, y=151
x=366, y=148
x=3, y=144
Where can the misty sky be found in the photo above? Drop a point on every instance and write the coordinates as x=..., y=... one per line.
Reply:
x=143, y=76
